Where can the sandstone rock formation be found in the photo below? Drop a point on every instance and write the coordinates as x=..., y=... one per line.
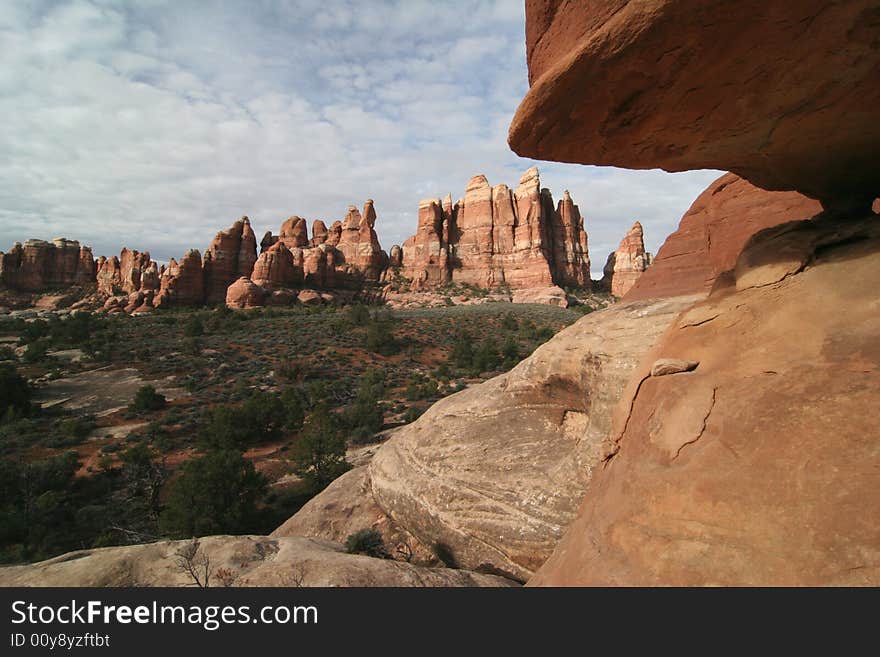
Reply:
x=752, y=87
x=252, y=561
x=275, y=268
x=753, y=464
x=495, y=472
x=496, y=236
x=625, y=265
x=395, y=256
x=132, y=264
x=319, y=233
x=758, y=467
x=182, y=284
x=359, y=245
x=109, y=276
x=713, y=232
x=244, y=293
x=232, y=254
x=294, y=233
x=39, y=265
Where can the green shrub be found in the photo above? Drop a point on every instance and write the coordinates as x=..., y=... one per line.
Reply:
x=194, y=327
x=319, y=454
x=15, y=393
x=358, y=314
x=368, y=542
x=217, y=493
x=77, y=428
x=147, y=399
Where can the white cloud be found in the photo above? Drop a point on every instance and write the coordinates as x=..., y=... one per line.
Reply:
x=154, y=125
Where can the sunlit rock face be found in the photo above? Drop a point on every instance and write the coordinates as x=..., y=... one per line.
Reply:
x=496, y=236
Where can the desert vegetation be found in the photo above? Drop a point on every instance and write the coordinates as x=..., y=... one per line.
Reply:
x=231, y=420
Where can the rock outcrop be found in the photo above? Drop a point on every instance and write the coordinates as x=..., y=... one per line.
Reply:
x=495, y=236
x=248, y=561
x=231, y=255
x=182, y=284
x=359, y=245
x=713, y=232
x=294, y=233
x=244, y=293
x=741, y=451
x=275, y=268
x=39, y=265
x=759, y=466
x=625, y=265
x=495, y=473
x=342, y=256
x=752, y=87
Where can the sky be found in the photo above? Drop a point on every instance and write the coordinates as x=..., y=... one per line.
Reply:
x=154, y=124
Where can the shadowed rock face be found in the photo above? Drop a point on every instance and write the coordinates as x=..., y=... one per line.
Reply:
x=495, y=472
x=713, y=232
x=759, y=466
x=750, y=86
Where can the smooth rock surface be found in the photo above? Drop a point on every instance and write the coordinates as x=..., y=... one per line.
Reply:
x=251, y=561
x=756, y=87
x=760, y=467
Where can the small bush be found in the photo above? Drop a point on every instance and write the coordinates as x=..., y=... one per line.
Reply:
x=15, y=393
x=444, y=553
x=194, y=327
x=368, y=542
x=147, y=399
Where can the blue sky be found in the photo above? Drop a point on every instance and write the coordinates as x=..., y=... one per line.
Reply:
x=154, y=124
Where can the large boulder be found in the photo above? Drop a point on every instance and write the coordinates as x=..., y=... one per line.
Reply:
x=244, y=293
x=757, y=464
x=756, y=87
x=495, y=473
x=712, y=233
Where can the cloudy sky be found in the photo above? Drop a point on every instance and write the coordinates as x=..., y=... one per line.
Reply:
x=153, y=124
